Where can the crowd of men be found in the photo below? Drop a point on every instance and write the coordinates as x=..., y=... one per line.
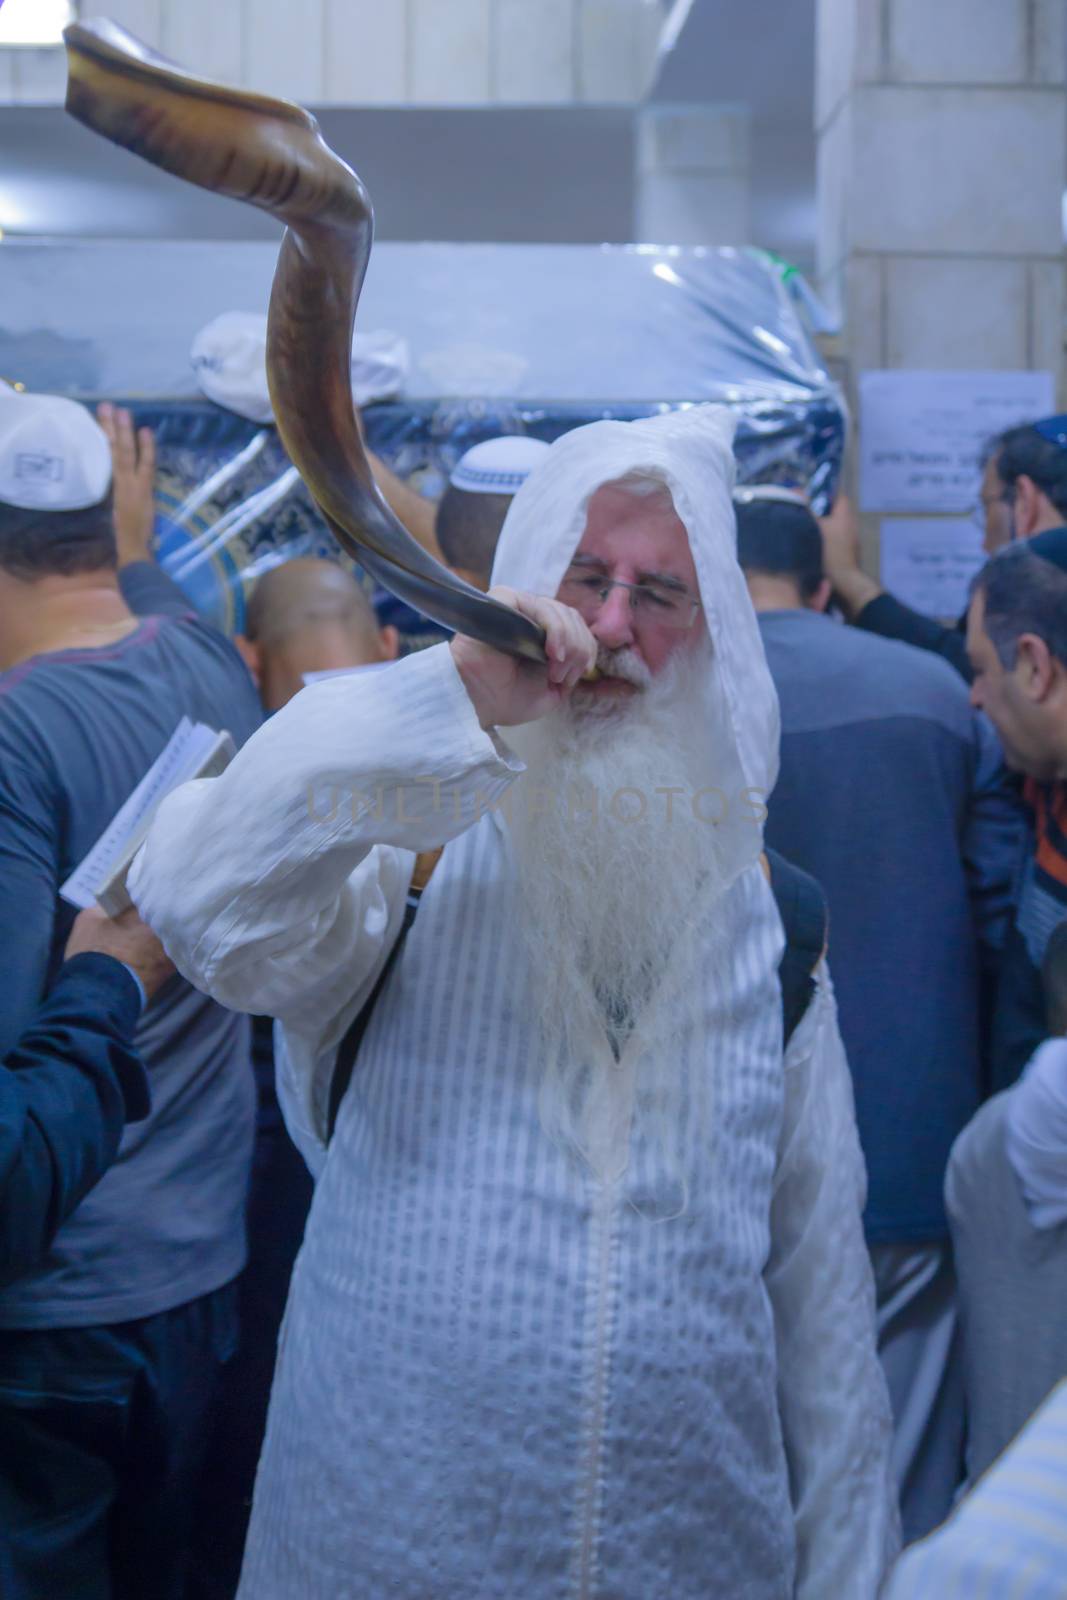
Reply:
x=634, y=1257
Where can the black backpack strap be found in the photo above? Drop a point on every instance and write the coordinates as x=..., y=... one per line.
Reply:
x=802, y=908
x=348, y=1049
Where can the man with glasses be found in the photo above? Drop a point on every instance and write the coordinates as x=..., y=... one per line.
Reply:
x=1023, y=492
x=583, y=1306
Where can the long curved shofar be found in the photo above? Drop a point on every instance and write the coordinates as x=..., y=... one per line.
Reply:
x=271, y=154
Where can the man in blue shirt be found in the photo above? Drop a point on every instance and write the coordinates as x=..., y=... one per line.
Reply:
x=891, y=793
x=131, y=1312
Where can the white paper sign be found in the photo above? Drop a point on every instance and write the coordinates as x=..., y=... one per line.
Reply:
x=929, y=564
x=921, y=433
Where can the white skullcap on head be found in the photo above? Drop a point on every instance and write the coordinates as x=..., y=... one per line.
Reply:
x=498, y=466
x=54, y=456
x=229, y=358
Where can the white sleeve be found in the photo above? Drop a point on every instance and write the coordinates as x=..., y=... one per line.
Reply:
x=1035, y=1134
x=276, y=887
x=832, y=1395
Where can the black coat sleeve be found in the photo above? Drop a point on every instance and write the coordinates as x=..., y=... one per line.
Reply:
x=894, y=620
x=67, y=1089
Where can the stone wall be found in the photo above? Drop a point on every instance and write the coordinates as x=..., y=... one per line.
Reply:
x=379, y=52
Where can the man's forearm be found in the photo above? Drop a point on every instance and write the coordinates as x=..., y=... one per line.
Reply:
x=854, y=590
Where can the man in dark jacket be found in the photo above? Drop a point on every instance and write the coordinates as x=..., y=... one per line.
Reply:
x=890, y=794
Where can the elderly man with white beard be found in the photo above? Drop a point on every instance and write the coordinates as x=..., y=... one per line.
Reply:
x=583, y=1308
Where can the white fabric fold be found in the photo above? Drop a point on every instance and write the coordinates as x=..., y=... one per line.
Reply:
x=1035, y=1134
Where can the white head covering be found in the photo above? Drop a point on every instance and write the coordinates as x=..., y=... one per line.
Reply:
x=54, y=456
x=692, y=452
x=229, y=357
x=498, y=466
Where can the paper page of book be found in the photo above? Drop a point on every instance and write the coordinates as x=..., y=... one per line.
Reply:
x=184, y=750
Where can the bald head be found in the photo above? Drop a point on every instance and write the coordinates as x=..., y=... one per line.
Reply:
x=309, y=615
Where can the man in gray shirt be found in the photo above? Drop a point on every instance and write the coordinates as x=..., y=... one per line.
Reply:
x=110, y=1346
x=891, y=793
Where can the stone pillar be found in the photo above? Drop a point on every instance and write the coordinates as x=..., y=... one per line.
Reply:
x=692, y=182
x=942, y=163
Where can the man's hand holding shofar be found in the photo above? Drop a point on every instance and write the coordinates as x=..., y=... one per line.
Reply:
x=505, y=691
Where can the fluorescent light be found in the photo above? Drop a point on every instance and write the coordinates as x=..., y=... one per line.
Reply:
x=34, y=22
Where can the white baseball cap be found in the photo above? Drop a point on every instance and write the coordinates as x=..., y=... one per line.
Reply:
x=498, y=466
x=54, y=456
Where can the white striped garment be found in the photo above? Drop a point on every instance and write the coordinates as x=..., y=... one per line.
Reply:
x=1008, y=1540
x=497, y=1376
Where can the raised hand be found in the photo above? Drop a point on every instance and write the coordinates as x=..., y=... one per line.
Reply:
x=133, y=478
x=841, y=557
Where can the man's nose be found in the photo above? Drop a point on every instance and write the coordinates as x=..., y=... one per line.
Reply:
x=613, y=625
x=976, y=696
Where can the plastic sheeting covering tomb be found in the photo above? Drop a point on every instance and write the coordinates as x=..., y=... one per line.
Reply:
x=528, y=340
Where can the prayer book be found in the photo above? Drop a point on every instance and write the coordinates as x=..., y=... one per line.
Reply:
x=193, y=751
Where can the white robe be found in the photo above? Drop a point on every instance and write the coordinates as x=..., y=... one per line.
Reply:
x=497, y=1376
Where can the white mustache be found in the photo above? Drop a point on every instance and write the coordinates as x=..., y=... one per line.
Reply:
x=625, y=664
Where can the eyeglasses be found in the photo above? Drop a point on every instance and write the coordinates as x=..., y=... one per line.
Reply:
x=651, y=602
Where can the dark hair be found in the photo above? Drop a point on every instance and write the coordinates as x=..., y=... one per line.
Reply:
x=1024, y=593
x=1024, y=452
x=776, y=537
x=42, y=544
x=468, y=528
x=1054, y=980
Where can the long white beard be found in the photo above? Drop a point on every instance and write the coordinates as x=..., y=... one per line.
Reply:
x=618, y=869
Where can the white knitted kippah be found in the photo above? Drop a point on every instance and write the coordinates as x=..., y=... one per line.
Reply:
x=498, y=466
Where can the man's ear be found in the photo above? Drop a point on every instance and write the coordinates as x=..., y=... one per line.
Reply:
x=1026, y=506
x=1035, y=667
x=389, y=639
x=821, y=598
x=249, y=654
